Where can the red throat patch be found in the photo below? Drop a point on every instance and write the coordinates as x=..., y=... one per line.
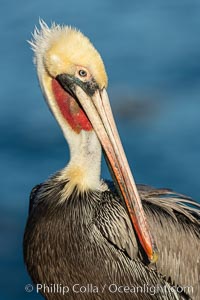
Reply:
x=70, y=109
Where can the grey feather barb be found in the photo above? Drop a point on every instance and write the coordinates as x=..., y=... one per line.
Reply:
x=171, y=202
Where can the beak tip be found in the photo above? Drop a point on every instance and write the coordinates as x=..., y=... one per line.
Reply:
x=154, y=257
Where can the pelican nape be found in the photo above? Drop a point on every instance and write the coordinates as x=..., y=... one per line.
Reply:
x=86, y=232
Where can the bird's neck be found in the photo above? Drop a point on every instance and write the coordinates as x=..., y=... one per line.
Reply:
x=84, y=168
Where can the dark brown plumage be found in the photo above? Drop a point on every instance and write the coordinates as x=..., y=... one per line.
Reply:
x=89, y=239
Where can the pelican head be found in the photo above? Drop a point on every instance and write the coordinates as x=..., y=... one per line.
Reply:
x=73, y=80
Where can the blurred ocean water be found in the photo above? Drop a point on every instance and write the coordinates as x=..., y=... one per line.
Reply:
x=152, y=55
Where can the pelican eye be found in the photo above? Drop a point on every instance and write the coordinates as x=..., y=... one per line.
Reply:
x=82, y=73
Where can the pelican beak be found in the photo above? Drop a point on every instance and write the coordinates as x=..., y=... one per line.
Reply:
x=97, y=108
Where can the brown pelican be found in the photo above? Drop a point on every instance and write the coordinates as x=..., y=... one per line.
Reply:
x=86, y=238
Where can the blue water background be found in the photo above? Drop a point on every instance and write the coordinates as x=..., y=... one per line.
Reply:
x=151, y=50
